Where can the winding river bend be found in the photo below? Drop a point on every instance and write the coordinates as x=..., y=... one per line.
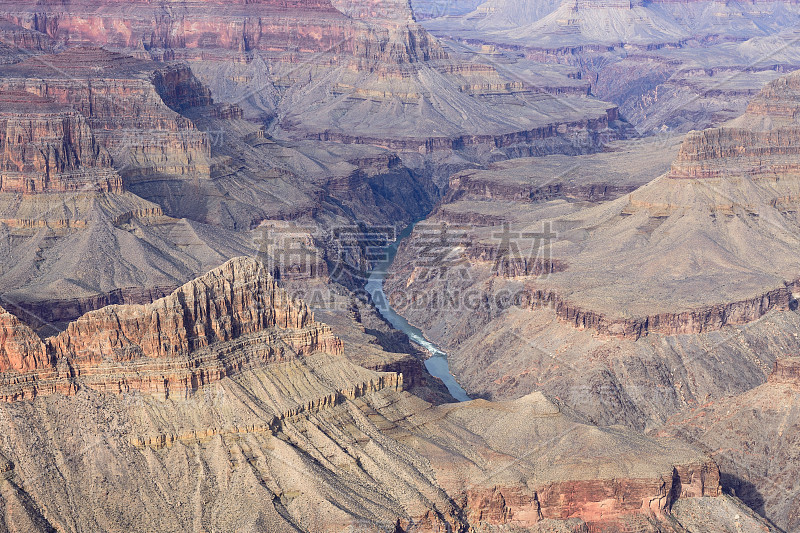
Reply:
x=437, y=363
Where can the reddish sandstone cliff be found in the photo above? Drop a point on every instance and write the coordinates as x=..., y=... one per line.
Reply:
x=21, y=350
x=232, y=318
x=131, y=105
x=49, y=147
x=787, y=371
x=208, y=29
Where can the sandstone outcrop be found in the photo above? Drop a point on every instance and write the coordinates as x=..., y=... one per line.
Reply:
x=230, y=374
x=131, y=105
x=49, y=148
x=22, y=350
x=786, y=371
x=375, y=62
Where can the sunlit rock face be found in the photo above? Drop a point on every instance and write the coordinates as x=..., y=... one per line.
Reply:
x=766, y=421
x=365, y=73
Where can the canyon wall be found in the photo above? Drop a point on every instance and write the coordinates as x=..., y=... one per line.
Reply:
x=229, y=366
x=170, y=341
x=756, y=452
x=50, y=148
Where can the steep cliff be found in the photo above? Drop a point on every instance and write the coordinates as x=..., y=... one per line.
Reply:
x=170, y=342
x=669, y=66
x=132, y=107
x=22, y=350
x=370, y=75
x=50, y=148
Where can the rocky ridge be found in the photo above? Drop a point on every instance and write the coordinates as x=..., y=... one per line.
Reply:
x=337, y=75
x=669, y=66
x=170, y=341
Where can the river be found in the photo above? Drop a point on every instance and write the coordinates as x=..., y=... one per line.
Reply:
x=437, y=362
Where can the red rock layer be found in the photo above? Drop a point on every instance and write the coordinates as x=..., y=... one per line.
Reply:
x=209, y=29
x=129, y=104
x=734, y=149
x=693, y=321
x=21, y=350
x=609, y=502
x=234, y=317
x=48, y=147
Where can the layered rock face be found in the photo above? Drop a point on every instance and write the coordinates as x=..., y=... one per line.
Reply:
x=17, y=42
x=50, y=148
x=131, y=105
x=667, y=65
x=754, y=437
x=193, y=29
x=617, y=299
x=763, y=143
x=173, y=335
x=356, y=76
x=22, y=349
x=80, y=130
x=231, y=388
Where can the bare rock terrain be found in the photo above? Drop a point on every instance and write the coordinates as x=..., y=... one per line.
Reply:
x=669, y=66
x=754, y=436
x=619, y=308
x=353, y=74
x=260, y=418
x=633, y=308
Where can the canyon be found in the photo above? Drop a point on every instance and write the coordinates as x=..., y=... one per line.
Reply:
x=354, y=75
x=195, y=197
x=228, y=391
x=669, y=65
x=754, y=436
x=629, y=283
x=669, y=288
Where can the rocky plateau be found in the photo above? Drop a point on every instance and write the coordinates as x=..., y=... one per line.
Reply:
x=610, y=299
